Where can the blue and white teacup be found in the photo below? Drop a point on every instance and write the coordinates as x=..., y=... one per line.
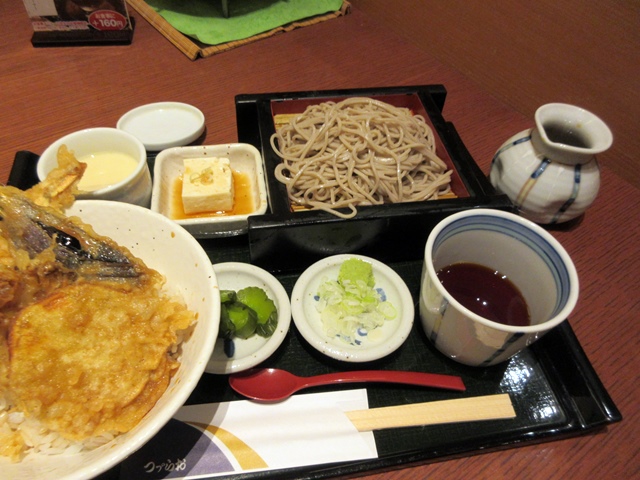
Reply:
x=525, y=253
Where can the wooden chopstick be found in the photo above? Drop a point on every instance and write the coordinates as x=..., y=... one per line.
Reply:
x=487, y=407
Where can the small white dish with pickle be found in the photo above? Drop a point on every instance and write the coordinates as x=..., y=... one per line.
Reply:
x=232, y=355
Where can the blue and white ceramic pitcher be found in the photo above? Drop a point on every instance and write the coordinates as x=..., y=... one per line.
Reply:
x=550, y=172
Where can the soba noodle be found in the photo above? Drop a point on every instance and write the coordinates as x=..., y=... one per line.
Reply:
x=359, y=151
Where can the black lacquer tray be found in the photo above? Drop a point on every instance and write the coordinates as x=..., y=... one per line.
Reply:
x=284, y=240
x=554, y=389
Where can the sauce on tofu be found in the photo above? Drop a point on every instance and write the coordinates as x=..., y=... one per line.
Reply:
x=243, y=202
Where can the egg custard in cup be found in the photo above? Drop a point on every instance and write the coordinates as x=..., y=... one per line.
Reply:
x=116, y=165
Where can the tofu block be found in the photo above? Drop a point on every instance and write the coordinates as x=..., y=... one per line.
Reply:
x=207, y=185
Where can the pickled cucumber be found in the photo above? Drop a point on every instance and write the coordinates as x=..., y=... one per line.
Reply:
x=247, y=312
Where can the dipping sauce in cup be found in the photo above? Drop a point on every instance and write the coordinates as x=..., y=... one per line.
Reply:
x=116, y=161
x=485, y=292
x=503, y=247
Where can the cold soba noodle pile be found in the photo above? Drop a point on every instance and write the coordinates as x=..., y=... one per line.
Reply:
x=359, y=151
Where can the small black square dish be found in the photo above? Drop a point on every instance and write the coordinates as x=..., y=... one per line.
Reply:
x=288, y=239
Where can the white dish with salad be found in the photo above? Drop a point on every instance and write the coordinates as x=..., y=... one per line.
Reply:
x=352, y=308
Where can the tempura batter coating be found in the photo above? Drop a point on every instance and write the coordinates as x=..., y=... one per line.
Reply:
x=92, y=358
x=60, y=187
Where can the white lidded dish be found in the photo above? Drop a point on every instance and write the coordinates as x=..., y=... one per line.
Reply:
x=164, y=124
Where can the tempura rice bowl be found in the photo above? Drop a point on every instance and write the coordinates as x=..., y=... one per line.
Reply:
x=166, y=247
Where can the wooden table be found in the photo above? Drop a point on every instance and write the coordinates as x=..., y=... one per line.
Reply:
x=46, y=93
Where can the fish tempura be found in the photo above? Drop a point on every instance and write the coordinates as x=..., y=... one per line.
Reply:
x=89, y=340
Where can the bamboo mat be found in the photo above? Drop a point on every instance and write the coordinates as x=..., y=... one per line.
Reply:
x=194, y=49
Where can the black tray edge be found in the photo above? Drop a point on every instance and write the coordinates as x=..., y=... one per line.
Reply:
x=552, y=351
x=23, y=171
x=575, y=380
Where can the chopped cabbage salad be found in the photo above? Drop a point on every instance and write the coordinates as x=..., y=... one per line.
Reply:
x=350, y=307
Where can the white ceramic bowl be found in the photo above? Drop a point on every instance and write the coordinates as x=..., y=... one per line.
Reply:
x=168, y=248
x=135, y=188
x=380, y=342
x=254, y=350
x=164, y=124
x=243, y=158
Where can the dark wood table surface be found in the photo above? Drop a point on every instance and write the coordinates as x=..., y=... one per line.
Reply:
x=46, y=93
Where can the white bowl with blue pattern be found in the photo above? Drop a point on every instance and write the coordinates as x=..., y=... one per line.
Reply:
x=365, y=346
x=550, y=172
x=527, y=254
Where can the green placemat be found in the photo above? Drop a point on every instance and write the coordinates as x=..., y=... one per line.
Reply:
x=194, y=48
x=204, y=20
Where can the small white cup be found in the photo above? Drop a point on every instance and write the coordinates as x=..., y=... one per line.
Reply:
x=528, y=255
x=135, y=188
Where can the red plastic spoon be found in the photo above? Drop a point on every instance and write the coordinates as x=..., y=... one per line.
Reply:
x=271, y=384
